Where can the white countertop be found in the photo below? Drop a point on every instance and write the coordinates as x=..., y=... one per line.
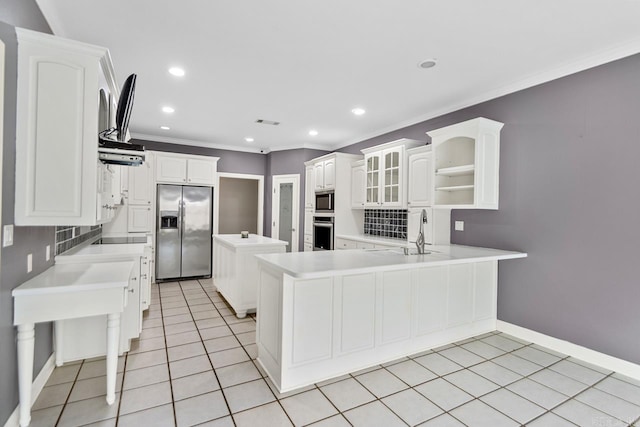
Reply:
x=102, y=253
x=236, y=240
x=368, y=238
x=327, y=263
x=77, y=277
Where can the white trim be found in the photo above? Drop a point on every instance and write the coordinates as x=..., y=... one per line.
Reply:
x=216, y=197
x=295, y=180
x=583, y=353
x=194, y=143
x=36, y=388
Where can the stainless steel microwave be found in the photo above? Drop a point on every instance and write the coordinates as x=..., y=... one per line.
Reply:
x=325, y=202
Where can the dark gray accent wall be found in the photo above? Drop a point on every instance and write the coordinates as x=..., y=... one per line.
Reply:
x=569, y=197
x=284, y=163
x=22, y=13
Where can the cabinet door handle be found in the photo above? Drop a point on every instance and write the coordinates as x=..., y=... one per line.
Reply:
x=132, y=290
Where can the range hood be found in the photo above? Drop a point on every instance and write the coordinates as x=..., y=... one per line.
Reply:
x=120, y=153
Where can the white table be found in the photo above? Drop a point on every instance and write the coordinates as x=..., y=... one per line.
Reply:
x=235, y=267
x=68, y=292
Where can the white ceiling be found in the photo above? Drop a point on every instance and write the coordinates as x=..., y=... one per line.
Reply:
x=308, y=63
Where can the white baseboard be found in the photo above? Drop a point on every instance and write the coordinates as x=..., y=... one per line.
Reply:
x=36, y=388
x=583, y=353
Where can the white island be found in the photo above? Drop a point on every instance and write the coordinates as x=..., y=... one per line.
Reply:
x=325, y=314
x=235, y=268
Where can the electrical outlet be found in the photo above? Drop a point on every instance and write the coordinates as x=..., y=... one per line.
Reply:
x=459, y=225
x=47, y=251
x=7, y=235
x=29, y=263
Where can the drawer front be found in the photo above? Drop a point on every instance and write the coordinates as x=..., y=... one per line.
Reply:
x=308, y=238
x=345, y=244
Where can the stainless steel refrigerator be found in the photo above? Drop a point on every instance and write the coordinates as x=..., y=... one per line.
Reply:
x=183, y=234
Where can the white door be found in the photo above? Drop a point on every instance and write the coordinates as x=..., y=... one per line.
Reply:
x=420, y=172
x=284, y=214
x=171, y=169
x=318, y=171
x=309, y=185
x=139, y=185
x=139, y=220
x=357, y=187
x=201, y=172
x=330, y=174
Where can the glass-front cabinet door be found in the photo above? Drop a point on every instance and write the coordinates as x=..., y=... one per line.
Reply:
x=372, y=163
x=392, y=173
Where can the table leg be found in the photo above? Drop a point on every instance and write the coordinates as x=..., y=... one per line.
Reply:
x=113, y=338
x=58, y=332
x=26, y=338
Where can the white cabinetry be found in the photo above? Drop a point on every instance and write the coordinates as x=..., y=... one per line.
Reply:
x=58, y=177
x=325, y=174
x=385, y=174
x=358, y=174
x=139, y=188
x=420, y=177
x=467, y=164
x=139, y=219
x=309, y=187
x=183, y=169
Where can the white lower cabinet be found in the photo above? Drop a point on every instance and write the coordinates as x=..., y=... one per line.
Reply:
x=140, y=219
x=314, y=329
x=341, y=243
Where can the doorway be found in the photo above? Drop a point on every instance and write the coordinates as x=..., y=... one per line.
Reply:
x=239, y=199
x=284, y=209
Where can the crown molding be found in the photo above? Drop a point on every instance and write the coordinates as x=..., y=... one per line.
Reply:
x=196, y=143
x=572, y=67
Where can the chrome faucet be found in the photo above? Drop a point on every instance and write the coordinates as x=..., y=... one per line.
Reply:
x=420, y=238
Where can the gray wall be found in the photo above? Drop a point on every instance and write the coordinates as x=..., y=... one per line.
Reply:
x=22, y=13
x=569, y=197
x=238, y=206
x=284, y=163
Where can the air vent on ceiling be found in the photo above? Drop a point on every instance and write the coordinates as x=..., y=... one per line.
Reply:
x=267, y=122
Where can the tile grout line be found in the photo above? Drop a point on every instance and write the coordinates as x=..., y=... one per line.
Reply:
x=66, y=401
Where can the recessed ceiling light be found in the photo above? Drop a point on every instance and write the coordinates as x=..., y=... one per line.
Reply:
x=168, y=109
x=313, y=132
x=176, y=71
x=249, y=139
x=358, y=111
x=165, y=127
x=427, y=63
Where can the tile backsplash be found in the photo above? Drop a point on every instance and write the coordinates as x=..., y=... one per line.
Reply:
x=69, y=236
x=386, y=223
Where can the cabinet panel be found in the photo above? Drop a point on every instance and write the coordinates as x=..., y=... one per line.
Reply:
x=330, y=174
x=365, y=245
x=460, y=301
x=345, y=244
x=171, y=169
x=139, y=219
x=139, y=188
x=420, y=180
x=200, y=171
x=308, y=221
x=431, y=295
x=372, y=183
x=131, y=320
x=318, y=172
x=358, y=177
x=485, y=290
x=308, y=247
x=312, y=311
x=309, y=185
x=395, y=321
x=356, y=327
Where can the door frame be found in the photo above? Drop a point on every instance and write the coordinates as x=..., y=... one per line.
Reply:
x=275, y=205
x=216, y=197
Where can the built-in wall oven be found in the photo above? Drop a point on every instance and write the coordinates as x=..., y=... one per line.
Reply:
x=325, y=202
x=322, y=233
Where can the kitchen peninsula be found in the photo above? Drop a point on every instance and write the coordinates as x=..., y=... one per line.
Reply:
x=324, y=314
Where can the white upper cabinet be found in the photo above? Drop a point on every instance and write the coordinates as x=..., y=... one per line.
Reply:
x=386, y=174
x=186, y=169
x=467, y=164
x=420, y=177
x=358, y=174
x=58, y=176
x=325, y=174
x=309, y=187
x=201, y=171
x=139, y=219
x=171, y=169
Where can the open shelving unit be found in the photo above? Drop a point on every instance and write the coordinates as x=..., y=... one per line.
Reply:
x=466, y=164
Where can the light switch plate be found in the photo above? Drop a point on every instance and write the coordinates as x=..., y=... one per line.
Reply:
x=47, y=253
x=459, y=225
x=7, y=235
x=29, y=263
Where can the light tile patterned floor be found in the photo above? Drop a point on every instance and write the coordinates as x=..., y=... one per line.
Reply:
x=195, y=365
